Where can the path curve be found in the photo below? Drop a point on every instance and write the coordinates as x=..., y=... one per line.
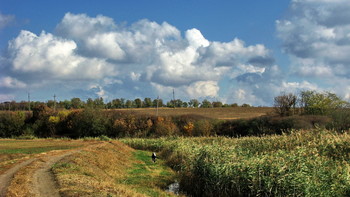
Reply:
x=6, y=177
x=44, y=183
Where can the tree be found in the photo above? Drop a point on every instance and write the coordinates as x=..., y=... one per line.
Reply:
x=90, y=103
x=178, y=103
x=284, y=104
x=193, y=103
x=99, y=103
x=206, y=104
x=65, y=104
x=76, y=103
x=129, y=104
x=184, y=104
x=138, y=103
x=217, y=104
x=234, y=105
x=159, y=101
x=147, y=102
x=317, y=103
x=245, y=105
x=50, y=104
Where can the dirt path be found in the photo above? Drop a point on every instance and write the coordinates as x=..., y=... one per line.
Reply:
x=5, y=179
x=36, y=174
x=44, y=181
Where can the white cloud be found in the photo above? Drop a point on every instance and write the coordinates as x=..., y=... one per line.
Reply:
x=318, y=30
x=150, y=56
x=55, y=57
x=316, y=34
x=5, y=20
x=196, y=39
x=6, y=97
x=203, y=89
x=9, y=82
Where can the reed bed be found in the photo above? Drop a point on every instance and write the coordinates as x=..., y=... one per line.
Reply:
x=302, y=163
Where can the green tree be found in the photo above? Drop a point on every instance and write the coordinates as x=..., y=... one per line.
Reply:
x=245, y=105
x=99, y=103
x=193, y=103
x=138, y=103
x=206, y=104
x=90, y=103
x=129, y=104
x=317, y=103
x=65, y=104
x=217, y=104
x=178, y=103
x=147, y=102
x=160, y=103
x=184, y=104
x=76, y=103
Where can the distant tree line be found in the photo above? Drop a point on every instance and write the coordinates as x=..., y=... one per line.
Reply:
x=308, y=103
x=119, y=103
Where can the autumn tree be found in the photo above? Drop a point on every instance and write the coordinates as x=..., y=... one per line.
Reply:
x=284, y=104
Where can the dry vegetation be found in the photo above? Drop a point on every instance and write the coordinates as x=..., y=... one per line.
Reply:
x=303, y=163
x=15, y=151
x=228, y=113
x=113, y=169
x=83, y=168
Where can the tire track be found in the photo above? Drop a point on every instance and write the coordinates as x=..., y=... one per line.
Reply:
x=5, y=178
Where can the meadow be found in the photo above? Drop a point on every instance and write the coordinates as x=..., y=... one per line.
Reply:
x=303, y=163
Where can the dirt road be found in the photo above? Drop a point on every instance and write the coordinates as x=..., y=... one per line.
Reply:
x=33, y=177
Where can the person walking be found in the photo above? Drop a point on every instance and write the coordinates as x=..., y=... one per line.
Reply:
x=154, y=157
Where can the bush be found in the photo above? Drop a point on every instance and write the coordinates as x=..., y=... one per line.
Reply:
x=12, y=123
x=165, y=127
x=340, y=120
x=86, y=123
x=202, y=128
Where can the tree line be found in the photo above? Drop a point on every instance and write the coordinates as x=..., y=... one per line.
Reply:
x=308, y=103
x=119, y=103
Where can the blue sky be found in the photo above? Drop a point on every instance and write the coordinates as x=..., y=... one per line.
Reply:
x=242, y=51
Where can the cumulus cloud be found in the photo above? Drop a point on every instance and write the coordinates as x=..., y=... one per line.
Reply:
x=54, y=57
x=143, y=58
x=203, y=88
x=317, y=36
x=9, y=82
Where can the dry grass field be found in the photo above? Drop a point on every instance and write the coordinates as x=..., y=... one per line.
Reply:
x=14, y=151
x=47, y=167
x=229, y=113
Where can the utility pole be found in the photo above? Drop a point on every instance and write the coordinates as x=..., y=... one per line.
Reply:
x=54, y=102
x=157, y=104
x=28, y=101
x=174, y=98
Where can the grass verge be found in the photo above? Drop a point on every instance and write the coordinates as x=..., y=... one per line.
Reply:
x=112, y=169
x=148, y=177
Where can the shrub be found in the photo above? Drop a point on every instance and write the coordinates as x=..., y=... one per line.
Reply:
x=12, y=123
x=88, y=122
x=340, y=120
x=202, y=128
x=164, y=127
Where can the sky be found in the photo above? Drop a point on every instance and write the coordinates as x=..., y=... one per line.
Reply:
x=234, y=51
